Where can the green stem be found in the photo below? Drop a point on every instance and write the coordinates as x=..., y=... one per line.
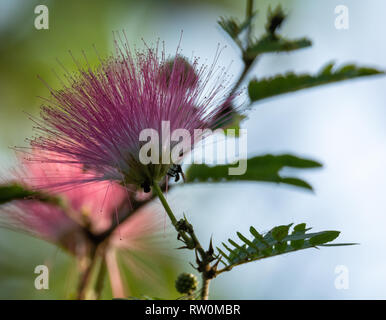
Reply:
x=86, y=275
x=247, y=62
x=165, y=204
x=170, y=214
x=100, y=278
x=205, y=286
x=249, y=13
x=191, y=242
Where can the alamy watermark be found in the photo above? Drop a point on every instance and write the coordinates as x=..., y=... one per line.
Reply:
x=42, y=280
x=342, y=18
x=342, y=280
x=41, y=21
x=178, y=144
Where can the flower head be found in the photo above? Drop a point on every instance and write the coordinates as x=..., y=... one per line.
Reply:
x=90, y=207
x=84, y=212
x=96, y=120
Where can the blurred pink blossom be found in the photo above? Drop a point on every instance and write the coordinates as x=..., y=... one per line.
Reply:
x=92, y=206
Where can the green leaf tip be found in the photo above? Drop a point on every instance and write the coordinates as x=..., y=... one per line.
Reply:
x=265, y=168
x=326, y=236
x=275, y=19
x=13, y=191
x=260, y=89
x=280, y=232
x=232, y=26
x=267, y=44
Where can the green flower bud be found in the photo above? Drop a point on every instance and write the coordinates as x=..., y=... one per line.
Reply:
x=186, y=283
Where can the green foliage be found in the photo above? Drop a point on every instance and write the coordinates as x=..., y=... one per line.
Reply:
x=277, y=241
x=233, y=27
x=275, y=18
x=270, y=44
x=13, y=191
x=290, y=82
x=261, y=168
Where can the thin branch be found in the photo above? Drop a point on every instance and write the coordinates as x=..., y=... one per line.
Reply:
x=157, y=190
x=85, y=276
x=186, y=231
x=249, y=13
x=100, y=278
x=248, y=63
x=205, y=287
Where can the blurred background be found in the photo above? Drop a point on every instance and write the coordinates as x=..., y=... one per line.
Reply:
x=340, y=125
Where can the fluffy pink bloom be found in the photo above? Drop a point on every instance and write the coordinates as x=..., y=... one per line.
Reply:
x=45, y=221
x=95, y=120
x=92, y=206
x=85, y=210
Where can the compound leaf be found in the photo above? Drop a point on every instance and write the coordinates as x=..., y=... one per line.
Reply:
x=259, y=89
x=264, y=168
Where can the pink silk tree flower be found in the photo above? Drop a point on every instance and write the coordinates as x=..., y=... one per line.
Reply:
x=86, y=211
x=91, y=205
x=96, y=119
